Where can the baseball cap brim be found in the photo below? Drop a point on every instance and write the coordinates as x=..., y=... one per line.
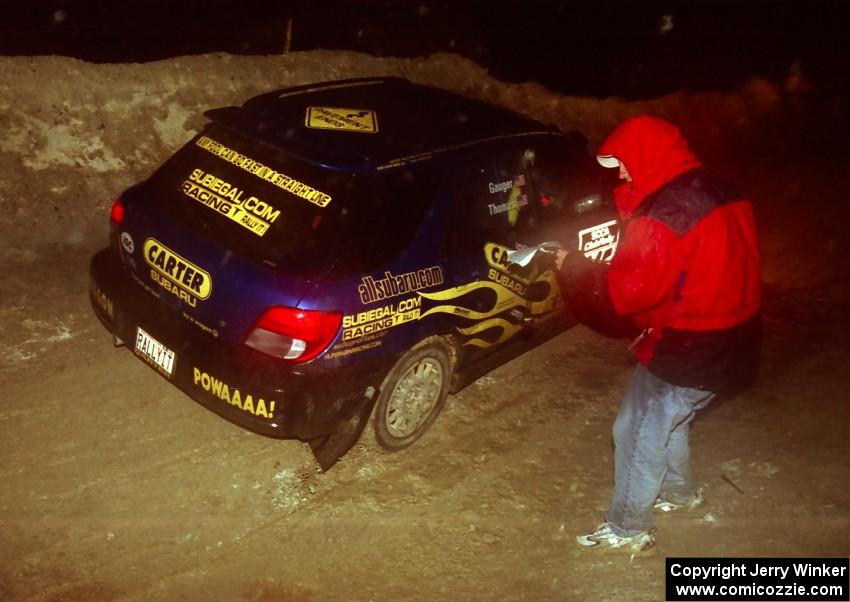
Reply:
x=608, y=160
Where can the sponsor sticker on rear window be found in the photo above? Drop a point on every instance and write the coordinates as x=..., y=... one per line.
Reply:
x=281, y=180
x=231, y=202
x=338, y=118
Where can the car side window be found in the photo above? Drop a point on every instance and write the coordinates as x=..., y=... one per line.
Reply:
x=495, y=204
x=564, y=186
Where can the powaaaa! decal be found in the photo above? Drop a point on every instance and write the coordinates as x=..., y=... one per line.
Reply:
x=226, y=393
x=177, y=275
x=255, y=168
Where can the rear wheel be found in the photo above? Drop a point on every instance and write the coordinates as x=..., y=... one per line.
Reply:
x=412, y=395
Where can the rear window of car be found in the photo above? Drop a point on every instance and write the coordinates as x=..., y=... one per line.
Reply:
x=285, y=212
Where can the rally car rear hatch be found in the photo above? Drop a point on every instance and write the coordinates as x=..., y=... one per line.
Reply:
x=218, y=291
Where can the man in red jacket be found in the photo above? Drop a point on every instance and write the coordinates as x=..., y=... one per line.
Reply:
x=686, y=277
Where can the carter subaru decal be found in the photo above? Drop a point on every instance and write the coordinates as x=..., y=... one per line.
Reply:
x=177, y=275
x=498, y=257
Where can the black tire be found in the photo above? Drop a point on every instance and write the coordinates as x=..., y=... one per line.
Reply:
x=412, y=395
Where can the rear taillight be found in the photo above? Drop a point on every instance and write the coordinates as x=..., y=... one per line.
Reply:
x=116, y=214
x=297, y=335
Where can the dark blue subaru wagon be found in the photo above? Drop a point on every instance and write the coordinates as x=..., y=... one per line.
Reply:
x=342, y=254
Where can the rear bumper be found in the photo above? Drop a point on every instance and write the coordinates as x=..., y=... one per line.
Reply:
x=263, y=395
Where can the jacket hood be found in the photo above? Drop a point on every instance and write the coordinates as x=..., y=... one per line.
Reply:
x=653, y=151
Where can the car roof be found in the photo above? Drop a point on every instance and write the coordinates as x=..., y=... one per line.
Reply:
x=373, y=124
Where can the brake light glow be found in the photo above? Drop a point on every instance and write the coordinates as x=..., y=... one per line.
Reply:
x=293, y=334
x=116, y=214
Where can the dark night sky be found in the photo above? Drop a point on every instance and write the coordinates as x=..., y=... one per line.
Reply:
x=603, y=47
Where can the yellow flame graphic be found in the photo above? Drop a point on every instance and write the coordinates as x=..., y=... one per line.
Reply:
x=508, y=330
x=503, y=299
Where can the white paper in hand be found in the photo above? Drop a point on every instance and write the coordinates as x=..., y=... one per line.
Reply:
x=522, y=257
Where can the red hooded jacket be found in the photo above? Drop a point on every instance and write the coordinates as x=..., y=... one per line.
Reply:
x=687, y=268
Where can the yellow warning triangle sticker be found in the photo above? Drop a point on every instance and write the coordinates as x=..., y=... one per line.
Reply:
x=337, y=118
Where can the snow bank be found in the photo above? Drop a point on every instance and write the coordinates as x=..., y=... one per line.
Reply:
x=76, y=134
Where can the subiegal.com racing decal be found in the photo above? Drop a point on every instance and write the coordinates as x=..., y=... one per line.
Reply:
x=231, y=202
x=380, y=318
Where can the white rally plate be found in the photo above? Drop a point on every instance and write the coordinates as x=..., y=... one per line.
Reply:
x=155, y=353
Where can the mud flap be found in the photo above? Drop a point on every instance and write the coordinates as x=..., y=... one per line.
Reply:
x=329, y=449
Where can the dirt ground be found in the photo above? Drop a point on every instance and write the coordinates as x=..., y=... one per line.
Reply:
x=115, y=485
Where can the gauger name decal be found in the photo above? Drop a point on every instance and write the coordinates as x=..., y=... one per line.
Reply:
x=299, y=189
x=229, y=201
x=392, y=285
x=518, y=181
x=175, y=274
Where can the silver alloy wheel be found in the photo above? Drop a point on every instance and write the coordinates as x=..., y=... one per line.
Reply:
x=414, y=397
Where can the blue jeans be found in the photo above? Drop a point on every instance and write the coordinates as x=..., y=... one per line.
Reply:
x=651, y=451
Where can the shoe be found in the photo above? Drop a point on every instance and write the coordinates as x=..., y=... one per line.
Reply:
x=666, y=503
x=605, y=537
